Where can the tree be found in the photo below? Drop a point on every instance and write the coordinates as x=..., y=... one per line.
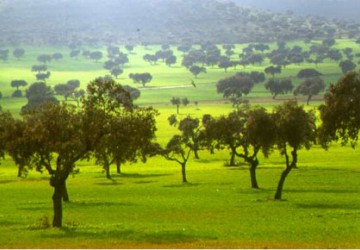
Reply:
x=196, y=70
x=58, y=130
x=279, y=86
x=235, y=87
x=177, y=101
x=259, y=134
x=134, y=92
x=190, y=130
x=226, y=132
x=16, y=84
x=310, y=87
x=37, y=94
x=4, y=54
x=179, y=147
x=43, y=76
x=225, y=63
x=116, y=71
x=347, y=66
x=106, y=105
x=67, y=90
x=307, y=73
x=170, y=60
x=39, y=68
x=96, y=55
x=18, y=53
x=44, y=58
x=74, y=53
x=340, y=114
x=142, y=78
x=19, y=145
x=295, y=129
x=272, y=70
x=57, y=56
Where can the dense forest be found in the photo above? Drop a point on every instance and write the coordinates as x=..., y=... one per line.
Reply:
x=340, y=9
x=64, y=22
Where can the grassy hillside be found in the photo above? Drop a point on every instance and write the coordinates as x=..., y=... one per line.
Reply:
x=149, y=207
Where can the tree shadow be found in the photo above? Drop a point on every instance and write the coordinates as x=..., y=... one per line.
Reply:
x=325, y=191
x=6, y=182
x=327, y=206
x=183, y=185
x=99, y=203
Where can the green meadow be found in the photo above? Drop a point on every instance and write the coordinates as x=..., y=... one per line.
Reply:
x=147, y=206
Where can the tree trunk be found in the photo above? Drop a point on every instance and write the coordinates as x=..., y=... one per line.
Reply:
x=196, y=154
x=308, y=99
x=183, y=172
x=281, y=183
x=118, y=167
x=65, y=194
x=232, y=158
x=253, y=166
x=177, y=109
x=57, y=204
x=285, y=173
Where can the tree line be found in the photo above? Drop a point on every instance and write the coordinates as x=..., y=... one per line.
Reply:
x=53, y=136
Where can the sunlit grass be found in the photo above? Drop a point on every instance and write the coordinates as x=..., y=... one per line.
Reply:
x=149, y=207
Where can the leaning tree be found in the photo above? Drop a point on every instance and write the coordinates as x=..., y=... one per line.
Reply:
x=295, y=129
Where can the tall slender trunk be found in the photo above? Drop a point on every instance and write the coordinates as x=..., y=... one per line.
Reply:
x=232, y=158
x=254, y=163
x=280, y=186
x=183, y=172
x=118, y=167
x=285, y=173
x=57, y=203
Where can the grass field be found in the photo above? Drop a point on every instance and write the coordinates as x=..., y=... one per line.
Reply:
x=149, y=207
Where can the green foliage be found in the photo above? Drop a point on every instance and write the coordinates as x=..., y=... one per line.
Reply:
x=340, y=113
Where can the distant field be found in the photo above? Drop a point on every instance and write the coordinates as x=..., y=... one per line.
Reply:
x=149, y=207
x=167, y=81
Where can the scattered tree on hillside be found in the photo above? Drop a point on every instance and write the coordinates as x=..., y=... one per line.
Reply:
x=4, y=54
x=44, y=58
x=279, y=86
x=57, y=56
x=196, y=70
x=307, y=73
x=116, y=71
x=310, y=87
x=142, y=78
x=37, y=94
x=39, y=68
x=96, y=55
x=16, y=84
x=18, y=53
x=272, y=70
x=235, y=87
x=177, y=101
x=295, y=129
x=347, y=66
